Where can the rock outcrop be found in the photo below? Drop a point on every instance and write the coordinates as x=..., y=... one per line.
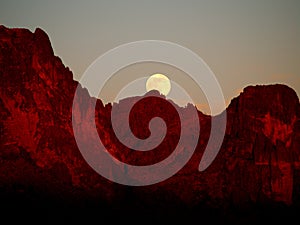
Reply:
x=259, y=161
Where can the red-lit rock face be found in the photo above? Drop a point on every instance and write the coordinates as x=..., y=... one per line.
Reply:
x=259, y=160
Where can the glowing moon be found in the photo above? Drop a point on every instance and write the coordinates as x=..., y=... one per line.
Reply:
x=159, y=82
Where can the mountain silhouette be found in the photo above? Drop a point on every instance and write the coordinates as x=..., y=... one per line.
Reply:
x=257, y=168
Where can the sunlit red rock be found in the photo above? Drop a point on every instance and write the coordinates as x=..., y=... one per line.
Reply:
x=259, y=160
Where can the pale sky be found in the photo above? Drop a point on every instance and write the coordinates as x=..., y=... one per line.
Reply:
x=243, y=42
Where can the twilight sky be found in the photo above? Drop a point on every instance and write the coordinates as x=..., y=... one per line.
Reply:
x=243, y=42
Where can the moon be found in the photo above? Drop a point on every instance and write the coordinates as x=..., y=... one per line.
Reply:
x=160, y=83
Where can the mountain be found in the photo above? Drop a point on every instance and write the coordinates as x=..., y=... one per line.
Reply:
x=258, y=166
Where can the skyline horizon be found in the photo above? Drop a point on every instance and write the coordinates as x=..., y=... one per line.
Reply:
x=243, y=42
x=203, y=108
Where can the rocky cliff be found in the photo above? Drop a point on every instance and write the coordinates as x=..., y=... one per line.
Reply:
x=259, y=161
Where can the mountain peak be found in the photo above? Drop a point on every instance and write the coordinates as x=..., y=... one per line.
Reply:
x=154, y=93
x=25, y=40
x=43, y=41
x=280, y=89
x=279, y=100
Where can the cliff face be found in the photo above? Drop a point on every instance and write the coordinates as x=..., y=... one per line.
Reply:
x=259, y=160
x=263, y=122
x=37, y=146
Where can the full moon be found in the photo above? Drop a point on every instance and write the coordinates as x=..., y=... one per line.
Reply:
x=160, y=83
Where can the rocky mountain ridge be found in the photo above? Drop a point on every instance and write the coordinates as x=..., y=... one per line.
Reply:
x=259, y=160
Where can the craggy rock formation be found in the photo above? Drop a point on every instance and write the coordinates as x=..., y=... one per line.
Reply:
x=259, y=162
